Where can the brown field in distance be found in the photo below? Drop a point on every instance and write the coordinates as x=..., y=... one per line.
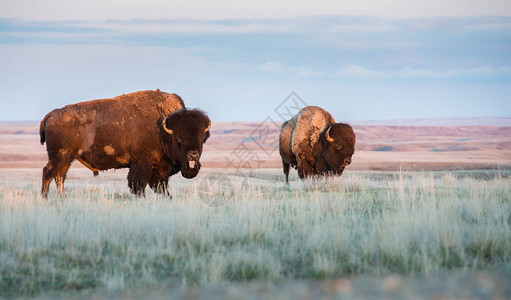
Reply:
x=379, y=147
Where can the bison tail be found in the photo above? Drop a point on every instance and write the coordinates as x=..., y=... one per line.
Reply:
x=41, y=128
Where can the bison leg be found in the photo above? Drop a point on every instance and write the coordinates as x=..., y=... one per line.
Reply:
x=48, y=175
x=286, y=171
x=305, y=169
x=61, y=177
x=52, y=170
x=138, y=177
x=161, y=187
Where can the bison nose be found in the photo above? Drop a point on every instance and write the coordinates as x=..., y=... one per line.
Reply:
x=347, y=161
x=193, y=155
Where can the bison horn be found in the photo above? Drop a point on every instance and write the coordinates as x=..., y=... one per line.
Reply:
x=164, y=123
x=209, y=126
x=327, y=135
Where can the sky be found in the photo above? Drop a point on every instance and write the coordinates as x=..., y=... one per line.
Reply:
x=237, y=60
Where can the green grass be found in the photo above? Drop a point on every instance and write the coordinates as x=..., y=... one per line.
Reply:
x=99, y=237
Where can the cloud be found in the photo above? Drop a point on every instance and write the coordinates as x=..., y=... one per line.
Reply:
x=84, y=36
x=320, y=25
x=279, y=68
x=484, y=71
x=362, y=28
x=364, y=44
x=504, y=26
x=360, y=72
x=224, y=9
x=190, y=26
x=363, y=73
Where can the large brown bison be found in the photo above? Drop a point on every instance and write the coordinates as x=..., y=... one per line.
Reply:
x=313, y=143
x=149, y=132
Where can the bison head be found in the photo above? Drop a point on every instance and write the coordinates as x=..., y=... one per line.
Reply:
x=184, y=133
x=338, y=140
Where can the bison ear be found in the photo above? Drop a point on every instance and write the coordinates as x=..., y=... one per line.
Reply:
x=327, y=134
x=164, y=125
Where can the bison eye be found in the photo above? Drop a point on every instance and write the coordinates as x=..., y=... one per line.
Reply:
x=179, y=141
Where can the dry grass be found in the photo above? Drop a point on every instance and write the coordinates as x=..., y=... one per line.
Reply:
x=100, y=237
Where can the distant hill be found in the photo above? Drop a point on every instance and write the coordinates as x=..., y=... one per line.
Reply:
x=489, y=121
x=479, y=143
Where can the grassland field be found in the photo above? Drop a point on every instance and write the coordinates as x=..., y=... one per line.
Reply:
x=424, y=212
x=364, y=235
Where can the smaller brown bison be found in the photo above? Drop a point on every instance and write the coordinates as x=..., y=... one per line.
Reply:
x=314, y=144
x=150, y=132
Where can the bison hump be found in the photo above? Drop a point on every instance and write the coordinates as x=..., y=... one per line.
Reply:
x=310, y=123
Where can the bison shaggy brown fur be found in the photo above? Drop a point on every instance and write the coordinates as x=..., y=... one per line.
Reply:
x=315, y=144
x=149, y=132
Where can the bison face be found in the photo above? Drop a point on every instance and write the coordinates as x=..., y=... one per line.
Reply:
x=338, y=146
x=185, y=131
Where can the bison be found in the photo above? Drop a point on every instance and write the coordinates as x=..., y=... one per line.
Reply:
x=150, y=132
x=314, y=144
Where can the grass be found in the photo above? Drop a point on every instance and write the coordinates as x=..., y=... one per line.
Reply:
x=100, y=237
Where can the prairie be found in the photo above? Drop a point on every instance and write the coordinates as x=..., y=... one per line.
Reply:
x=423, y=212
x=224, y=230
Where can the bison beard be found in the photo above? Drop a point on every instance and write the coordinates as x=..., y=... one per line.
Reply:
x=188, y=172
x=125, y=132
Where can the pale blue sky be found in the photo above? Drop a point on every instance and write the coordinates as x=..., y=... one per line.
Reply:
x=404, y=61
